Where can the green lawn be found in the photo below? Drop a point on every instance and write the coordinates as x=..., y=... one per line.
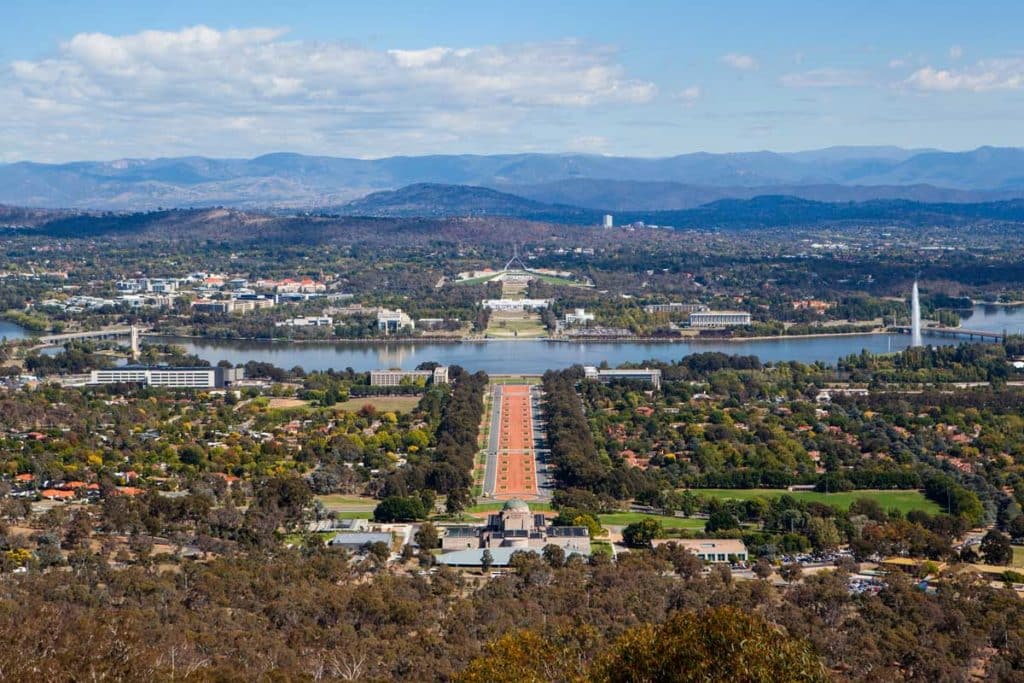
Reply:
x=1018, y=556
x=340, y=503
x=624, y=518
x=904, y=501
x=519, y=379
x=383, y=404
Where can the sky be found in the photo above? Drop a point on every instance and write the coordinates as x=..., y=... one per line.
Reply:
x=133, y=79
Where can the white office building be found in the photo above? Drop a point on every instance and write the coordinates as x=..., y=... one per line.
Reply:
x=515, y=304
x=605, y=375
x=579, y=316
x=166, y=376
x=394, y=321
x=309, y=321
x=676, y=308
x=394, y=378
x=719, y=318
x=609, y=221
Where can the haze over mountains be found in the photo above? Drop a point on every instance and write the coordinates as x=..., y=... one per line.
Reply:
x=571, y=180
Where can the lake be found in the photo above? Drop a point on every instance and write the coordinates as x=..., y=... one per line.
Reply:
x=536, y=356
x=9, y=330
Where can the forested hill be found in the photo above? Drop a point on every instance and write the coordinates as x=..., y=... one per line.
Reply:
x=779, y=211
x=427, y=212
x=441, y=201
x=429, y=200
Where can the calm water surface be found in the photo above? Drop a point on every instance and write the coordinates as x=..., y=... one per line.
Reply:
x=538, y=356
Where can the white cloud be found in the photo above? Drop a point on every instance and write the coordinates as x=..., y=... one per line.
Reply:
x=164, y=90
x=739, y=61
x=956, y=52
x=824, y=78
x=690, y=94
x=986, y=75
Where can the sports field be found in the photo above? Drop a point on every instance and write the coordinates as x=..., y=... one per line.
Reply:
x=904, y=501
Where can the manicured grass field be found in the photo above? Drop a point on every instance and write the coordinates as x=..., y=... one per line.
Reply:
x=1018, y=556
x=383, y=404
x=518, y=379
x=337, y=502
x=904, y=501
x=624, y=518
x=509, y=323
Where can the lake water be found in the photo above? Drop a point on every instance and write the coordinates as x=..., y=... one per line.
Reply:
x=11, y=331
x=536, y=356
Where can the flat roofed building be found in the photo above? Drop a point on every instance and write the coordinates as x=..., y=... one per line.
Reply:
x=675, y=308
x=243, y=304
x=515, y=304
x=650, y=375
x=719, y=318
x=357, y=540
x=394, y=321
x=579, y=316
x=165, y=376
x=394, y=378
x=710, y=549
x=308, y=321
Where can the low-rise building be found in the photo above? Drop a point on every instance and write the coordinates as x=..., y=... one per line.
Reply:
x=515, y=304
x=712, y=550
x=308, y=321
x=515, y=528
x=719, y=318
x=355, y=541
x=605, y=375
x=579, y=316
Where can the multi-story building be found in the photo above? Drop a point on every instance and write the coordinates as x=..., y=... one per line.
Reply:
x=394, y=321
x=166, y=376
x=605, y=375
x=675, y=308
x=719, y=318
x=242, y=304
x=394, y=378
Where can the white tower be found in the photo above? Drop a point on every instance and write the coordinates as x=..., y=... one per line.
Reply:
x=915, y=318
x=135, y=343
x=608, y=220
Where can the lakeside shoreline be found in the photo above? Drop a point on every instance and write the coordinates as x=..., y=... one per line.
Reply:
x=554, y=340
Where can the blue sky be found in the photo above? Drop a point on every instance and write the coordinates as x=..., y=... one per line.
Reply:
x=107, y=80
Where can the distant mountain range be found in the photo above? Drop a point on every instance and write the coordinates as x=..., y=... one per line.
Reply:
x=295, y=181
x=447, y=201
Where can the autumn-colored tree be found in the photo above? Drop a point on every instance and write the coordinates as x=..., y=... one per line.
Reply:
x=714, y=644
x=527, y=657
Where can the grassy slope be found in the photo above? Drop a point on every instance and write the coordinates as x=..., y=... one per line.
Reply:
x=901, y=500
